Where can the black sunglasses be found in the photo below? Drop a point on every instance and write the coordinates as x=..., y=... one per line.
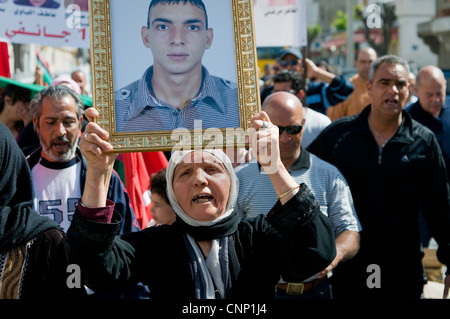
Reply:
x=285, y=63
x=291, y=129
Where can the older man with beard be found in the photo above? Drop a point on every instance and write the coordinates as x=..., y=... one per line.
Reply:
x=58, y=168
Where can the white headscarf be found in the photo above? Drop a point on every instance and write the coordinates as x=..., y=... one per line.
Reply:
x=175, y=159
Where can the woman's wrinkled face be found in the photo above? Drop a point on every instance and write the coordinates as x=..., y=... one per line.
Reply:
x=202, y=186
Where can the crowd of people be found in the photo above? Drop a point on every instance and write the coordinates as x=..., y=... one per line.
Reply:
x=360, y=186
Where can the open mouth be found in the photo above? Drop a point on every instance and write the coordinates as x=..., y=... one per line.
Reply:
x=60, y=145
x=202, y=198
x=391, y=102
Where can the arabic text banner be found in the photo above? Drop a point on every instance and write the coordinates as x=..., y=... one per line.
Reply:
x=57, y=23
x=280, y=23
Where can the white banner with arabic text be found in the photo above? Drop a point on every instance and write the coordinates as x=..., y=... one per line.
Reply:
x=54, y=23
x=280, y=23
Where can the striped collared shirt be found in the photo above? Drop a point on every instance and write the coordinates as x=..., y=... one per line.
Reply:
x=216, y=105
x=328, y=185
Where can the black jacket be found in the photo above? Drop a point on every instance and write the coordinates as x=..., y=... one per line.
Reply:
x=436, y=125
x=388, y=189
x=296, y=241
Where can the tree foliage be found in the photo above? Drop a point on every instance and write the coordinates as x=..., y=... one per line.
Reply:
x=340, y=22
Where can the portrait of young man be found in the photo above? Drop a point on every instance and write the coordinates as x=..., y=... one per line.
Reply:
x=177, y=90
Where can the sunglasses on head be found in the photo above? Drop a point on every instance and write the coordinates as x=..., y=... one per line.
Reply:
x=288, y=62
x=291, y=129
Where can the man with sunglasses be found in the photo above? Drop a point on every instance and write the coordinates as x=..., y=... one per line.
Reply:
x=290, y=59
x=256, y=193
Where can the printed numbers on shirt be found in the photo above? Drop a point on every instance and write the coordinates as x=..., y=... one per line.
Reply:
x=50, y=209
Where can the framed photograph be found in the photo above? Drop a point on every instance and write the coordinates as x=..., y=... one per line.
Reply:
x=172, y=75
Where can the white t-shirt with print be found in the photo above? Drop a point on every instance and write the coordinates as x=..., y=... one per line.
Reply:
x=57, y=190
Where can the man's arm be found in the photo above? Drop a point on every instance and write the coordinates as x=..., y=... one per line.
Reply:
x=264, y=144
x=100, y=164
x=347, y=246
x=313, y=71
x=332, y=89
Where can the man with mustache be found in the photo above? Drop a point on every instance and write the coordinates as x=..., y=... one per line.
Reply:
x=177, y=89
x=58, y=168
x=395, y=170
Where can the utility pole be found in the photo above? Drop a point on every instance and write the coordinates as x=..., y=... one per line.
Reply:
x=350, y=40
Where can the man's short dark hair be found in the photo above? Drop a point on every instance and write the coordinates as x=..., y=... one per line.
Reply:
x=158, y=184
x=386, y=59
x=296, y=79
x=197, y=3
x=56, y=92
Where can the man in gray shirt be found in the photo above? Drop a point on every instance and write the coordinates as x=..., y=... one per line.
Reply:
x=328, y=185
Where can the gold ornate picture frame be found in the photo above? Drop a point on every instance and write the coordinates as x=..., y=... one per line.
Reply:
x=103, y=86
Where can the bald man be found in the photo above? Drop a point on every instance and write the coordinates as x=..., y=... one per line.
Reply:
x=257, y=196
x=430, y=109
x=359, y=99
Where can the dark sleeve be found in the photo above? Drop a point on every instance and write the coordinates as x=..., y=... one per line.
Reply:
x=338, y=90
x=118, y=194
x=104, y=258
x=436, y=203
x=322, y=95
x=308, y=239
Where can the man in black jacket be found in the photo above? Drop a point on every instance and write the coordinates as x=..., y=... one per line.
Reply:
x=430, y=109
x=394, y=168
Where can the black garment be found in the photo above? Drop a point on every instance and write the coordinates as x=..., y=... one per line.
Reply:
x=295, y=241
x=28, y=139
x=321, y=95
x=435, y=125
x=19, y=223
x=389, y=188
x=45, y=273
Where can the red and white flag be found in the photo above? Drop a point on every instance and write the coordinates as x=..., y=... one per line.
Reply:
x=138, y=169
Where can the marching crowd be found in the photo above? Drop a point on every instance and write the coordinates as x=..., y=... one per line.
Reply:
x=360, y=186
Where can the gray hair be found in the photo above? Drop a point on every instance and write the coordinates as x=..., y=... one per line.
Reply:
x=56, y=92
x=386, y=59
